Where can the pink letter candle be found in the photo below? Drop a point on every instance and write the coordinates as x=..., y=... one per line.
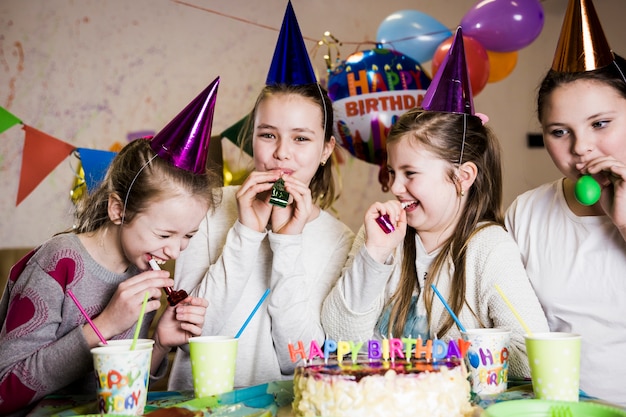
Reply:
x=395, y=348
x=314, y=350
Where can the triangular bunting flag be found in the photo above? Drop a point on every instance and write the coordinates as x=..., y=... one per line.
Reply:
x=42, y=153
x=232, y=134
x=7, y=120
x=95, y=164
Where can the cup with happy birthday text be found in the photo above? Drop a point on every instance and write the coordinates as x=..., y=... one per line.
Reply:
x=213, y=361
x=128, y=342
x=554, y=360
x=488, y=360
x=122, y=377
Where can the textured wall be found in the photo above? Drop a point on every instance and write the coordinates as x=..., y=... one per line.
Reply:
x=92, y=72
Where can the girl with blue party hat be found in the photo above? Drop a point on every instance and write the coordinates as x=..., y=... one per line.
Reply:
x=572, y=231
x=149, y=205
x=274, y=231
x=444, y=228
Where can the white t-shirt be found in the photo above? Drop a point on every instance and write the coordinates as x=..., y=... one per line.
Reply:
x=577, y=266
x=231, y=266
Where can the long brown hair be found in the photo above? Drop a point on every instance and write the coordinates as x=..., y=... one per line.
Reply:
x=137, y=176
x=324, y=190
x=456, y=138
x=613, y=75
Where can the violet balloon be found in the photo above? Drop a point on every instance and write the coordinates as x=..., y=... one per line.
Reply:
x=504, y=25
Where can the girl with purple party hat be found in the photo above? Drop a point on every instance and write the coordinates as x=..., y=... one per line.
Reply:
x=445, y=227
x=572, y=231
x=273, y=231
x=148, y=206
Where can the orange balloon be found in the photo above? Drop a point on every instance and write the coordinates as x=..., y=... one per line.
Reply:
x=501, y=64
x=475, y=56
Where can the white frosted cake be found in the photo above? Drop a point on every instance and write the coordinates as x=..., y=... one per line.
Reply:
x=382, y=388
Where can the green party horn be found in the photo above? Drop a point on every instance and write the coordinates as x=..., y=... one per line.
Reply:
x=587, y=190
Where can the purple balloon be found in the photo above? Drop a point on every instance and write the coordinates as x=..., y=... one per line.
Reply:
x=504, y=25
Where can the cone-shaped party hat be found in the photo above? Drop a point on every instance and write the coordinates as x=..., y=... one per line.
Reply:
x=184, y=142
x=450, y=90
x=582, y=45
x=291, y=64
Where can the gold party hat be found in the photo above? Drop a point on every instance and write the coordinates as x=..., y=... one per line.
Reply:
x=582, y=45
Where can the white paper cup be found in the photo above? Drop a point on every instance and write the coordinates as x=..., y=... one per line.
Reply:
x=122, y=378
x=141, y=343
x=488, y=360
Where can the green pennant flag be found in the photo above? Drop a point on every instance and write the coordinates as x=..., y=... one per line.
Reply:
x=7, y=120
x=232, y=134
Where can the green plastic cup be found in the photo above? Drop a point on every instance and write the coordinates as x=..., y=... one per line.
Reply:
x=213, y=361
x=554, y=360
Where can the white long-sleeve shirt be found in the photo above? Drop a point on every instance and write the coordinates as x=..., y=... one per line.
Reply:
x=354, y=306
x=232, y=266
x=577, y=266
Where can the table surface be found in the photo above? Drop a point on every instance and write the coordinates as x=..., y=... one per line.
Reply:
x=265, y=400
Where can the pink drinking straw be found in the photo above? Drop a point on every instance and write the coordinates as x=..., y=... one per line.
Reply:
x=82, y=310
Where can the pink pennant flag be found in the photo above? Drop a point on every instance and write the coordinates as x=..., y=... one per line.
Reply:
x=42, y=153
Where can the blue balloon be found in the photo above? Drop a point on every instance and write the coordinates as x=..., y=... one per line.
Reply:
x=412, y=33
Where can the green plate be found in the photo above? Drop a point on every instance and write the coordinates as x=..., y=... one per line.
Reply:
x=544, y=408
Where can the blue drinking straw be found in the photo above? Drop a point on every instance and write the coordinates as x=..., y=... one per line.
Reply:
x=456, y=319
x=263, y=297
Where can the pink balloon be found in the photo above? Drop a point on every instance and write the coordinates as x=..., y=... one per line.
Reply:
x=504, y=25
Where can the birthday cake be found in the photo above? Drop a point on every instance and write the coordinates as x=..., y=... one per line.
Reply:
x=415, y=388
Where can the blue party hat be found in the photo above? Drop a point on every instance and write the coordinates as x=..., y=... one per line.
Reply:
x=291, y=64
x=450, y=90
x=184, y=142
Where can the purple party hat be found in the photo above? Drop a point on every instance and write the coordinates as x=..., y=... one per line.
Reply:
x=291, y=64
x=450, y=90
x=582, y=45
x=184, y=142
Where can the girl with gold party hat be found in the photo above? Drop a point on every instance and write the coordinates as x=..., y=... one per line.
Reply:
x=572, y=231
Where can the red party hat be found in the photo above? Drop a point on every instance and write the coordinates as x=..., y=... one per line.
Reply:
x=291, y=64
x=450, y=90
x=184, y=142
x=582, y=45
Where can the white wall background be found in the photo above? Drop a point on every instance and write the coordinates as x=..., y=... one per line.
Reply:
x=89, y=72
